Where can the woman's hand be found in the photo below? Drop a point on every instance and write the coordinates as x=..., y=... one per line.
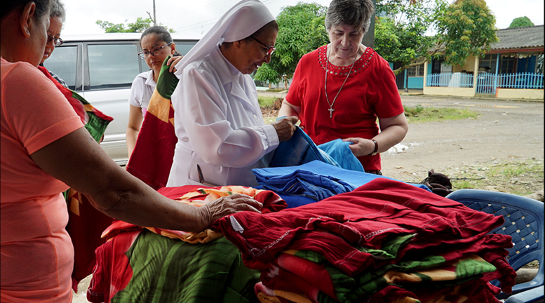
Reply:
x=228, y=205
x=285, y=127
x=172, y=63
x=360, y=146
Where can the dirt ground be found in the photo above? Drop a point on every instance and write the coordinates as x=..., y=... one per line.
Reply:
x=506, y=131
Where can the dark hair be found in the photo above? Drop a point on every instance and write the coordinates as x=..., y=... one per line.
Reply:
x=265, y=28
x=161, y=32
x=355, y=13
x=42, y=7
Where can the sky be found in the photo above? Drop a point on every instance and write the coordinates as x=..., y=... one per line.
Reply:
x=196, y=17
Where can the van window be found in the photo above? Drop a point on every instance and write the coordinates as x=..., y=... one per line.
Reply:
x=112, y=65
x=183, y=47
x=63, y=64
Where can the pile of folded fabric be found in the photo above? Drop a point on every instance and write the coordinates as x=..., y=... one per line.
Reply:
x=386, y=241
x=144, y=264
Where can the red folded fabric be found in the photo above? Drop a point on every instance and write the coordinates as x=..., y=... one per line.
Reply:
x=336, y=226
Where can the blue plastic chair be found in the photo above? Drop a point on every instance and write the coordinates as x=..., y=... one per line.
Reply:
x=524, y=223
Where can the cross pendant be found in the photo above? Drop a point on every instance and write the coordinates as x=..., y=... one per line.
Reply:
x=331, y=110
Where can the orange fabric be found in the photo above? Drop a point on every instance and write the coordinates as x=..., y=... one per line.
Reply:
x=36, y=251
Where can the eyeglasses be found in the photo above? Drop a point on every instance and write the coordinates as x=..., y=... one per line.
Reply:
x=270, y=49
x=154, y=52
x=56, y=41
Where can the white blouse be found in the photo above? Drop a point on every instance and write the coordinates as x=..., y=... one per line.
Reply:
x=219, y=125
x=142, y=89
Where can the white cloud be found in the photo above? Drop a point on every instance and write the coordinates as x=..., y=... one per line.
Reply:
x=198, y=16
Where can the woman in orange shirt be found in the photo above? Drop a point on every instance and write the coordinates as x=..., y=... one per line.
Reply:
x=45, y=150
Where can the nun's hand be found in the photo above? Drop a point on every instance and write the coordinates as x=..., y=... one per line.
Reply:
x=285, y=127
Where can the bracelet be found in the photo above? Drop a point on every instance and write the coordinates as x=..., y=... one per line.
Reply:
x=279, y=118
x=375, y=151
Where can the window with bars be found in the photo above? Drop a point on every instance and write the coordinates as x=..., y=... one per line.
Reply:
x=416, y=71
x=488, y=63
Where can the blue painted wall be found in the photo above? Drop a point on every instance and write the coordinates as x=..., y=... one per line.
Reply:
x=415, y=82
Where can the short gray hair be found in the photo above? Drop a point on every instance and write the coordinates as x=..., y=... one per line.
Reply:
x=356, y=13
x=57, y=10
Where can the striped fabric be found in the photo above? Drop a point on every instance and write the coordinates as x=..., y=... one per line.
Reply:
x=153, y=153
x=85, y=223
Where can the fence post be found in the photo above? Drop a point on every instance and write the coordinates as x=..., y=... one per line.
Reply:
x=496, y=75
x=475, y=75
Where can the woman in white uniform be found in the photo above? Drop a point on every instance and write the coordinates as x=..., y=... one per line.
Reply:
x=217, y=118
x=156, y=44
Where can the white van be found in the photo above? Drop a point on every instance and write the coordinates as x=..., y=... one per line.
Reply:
x=101, y=68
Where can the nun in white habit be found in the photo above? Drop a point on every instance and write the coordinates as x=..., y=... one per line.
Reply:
x=217, y=118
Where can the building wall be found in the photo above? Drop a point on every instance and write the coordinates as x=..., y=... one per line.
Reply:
x=512, y=93
x=449, y=91
x=469, y=66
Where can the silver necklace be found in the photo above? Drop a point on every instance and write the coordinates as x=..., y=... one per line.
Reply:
x=331, y=109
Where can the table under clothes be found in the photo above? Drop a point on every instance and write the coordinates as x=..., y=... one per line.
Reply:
x=340, y=236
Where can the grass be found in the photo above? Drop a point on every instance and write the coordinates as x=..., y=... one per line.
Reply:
x=515, y=177
x=420, y=114
x=266, y=102
x=417, y=114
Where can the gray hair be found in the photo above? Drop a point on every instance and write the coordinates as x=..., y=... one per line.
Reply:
x=57, y=10
x=356, y=13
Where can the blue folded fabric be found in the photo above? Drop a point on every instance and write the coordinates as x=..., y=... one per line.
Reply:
x=298, y=150
x=316, y=180
x=341, y=153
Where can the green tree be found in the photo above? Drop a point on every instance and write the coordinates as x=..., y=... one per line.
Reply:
x=136, y=27
x=301, y=30
x=467, y=28
x=521, y=21
x=400, y=30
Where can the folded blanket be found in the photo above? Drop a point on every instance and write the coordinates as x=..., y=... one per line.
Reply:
x=141, y=266
x=315, y=180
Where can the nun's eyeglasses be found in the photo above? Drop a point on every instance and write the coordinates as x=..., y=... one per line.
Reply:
x=270, y=49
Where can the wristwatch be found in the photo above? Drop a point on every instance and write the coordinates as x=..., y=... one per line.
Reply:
x=375, y=151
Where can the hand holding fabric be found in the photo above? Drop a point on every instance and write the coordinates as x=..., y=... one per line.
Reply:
x=285, y=127
x=228, y=205
x=360, y=146
x=172, y=61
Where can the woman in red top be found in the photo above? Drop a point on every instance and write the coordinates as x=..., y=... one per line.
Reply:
x=340, y=89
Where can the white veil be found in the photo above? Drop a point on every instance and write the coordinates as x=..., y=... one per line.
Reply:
x=239, y=22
